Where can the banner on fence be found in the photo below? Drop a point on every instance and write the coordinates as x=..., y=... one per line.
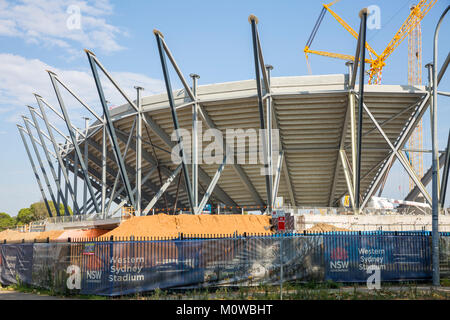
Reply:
x=127, y=267
x=16, y=261
x=50, y=262
x=444, y=257
x=404, y=257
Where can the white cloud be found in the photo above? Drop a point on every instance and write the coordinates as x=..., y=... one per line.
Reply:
x=53, y=23
x=21, y=77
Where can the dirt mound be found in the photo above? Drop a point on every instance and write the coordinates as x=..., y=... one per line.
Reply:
x=323, y=227
x=163, y=225
x=11, y=235
x=81, y=233
x=7, y=234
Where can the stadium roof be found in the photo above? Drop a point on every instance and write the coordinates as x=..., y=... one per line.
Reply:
x=311, y=113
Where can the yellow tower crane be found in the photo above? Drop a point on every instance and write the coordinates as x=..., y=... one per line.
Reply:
x=376, y=61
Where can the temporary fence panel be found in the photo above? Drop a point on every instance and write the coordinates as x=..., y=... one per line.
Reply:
x=16, y=262
x=117, y=268
x=444, y=257
x=50, y=266
x=137, y=265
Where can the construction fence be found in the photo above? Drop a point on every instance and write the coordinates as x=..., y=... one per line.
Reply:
x=128, y=266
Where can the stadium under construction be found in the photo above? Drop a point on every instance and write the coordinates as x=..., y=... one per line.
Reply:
x=327, y=141
x=242, y=183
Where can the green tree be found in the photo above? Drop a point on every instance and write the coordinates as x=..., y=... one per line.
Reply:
x=24, y=216
x=38, y=211
x=6, y=221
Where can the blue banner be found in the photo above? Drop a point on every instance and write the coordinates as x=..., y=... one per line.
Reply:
x=16, y=263
x=128, y=267
x=352, y=258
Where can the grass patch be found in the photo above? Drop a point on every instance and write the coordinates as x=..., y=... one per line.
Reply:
x=42, y=291
x=291, y=291
x=445, y=282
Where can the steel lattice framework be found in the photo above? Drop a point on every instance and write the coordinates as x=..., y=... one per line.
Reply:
x=124, y=157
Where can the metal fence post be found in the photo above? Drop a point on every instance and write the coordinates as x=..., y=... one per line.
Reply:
x=281, y=267
x=435, y=159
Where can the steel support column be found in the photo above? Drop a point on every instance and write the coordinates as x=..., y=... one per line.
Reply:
x=58, y=154
x=202, y=175
x=194, y=153
x=116, y=180
x=86, y=162
x=227, y=150
x=187, y=181
x=349, y=174
x=104, y=151
x=435, y=158
x=363, y=16
x=445, y=173
x=352, y=110
x=144, y=180
x=72, y=137
x=211, y=186
x=412, y=195
x=256, y=55
x=97, y=162
x=285, y=168
x=162, y=190
x=399, y=156
x=44, y=173
x=404, y=136
x=276, y=182
x=112, y=133
x=56, y=177
x=35, y=171
x=138, y=150
x=269, y=105
x=58, y=198
x=443, y=68
x=75, y=176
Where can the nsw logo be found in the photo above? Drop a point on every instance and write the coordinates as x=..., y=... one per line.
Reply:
x=339, y=259
x=94, y=275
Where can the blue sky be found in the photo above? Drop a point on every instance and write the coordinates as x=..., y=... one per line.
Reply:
x=210, y=38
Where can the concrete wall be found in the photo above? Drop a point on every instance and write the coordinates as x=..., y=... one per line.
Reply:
x=102, y=224
x=372, y=222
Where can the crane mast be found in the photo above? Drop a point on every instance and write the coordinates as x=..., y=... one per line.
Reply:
x=415, y=78
x=376, y=61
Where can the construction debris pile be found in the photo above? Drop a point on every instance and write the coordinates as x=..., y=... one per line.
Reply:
x=324, y=227
x=16, y=236
x=161, y=225
x=171, y=226
x=12, y=235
